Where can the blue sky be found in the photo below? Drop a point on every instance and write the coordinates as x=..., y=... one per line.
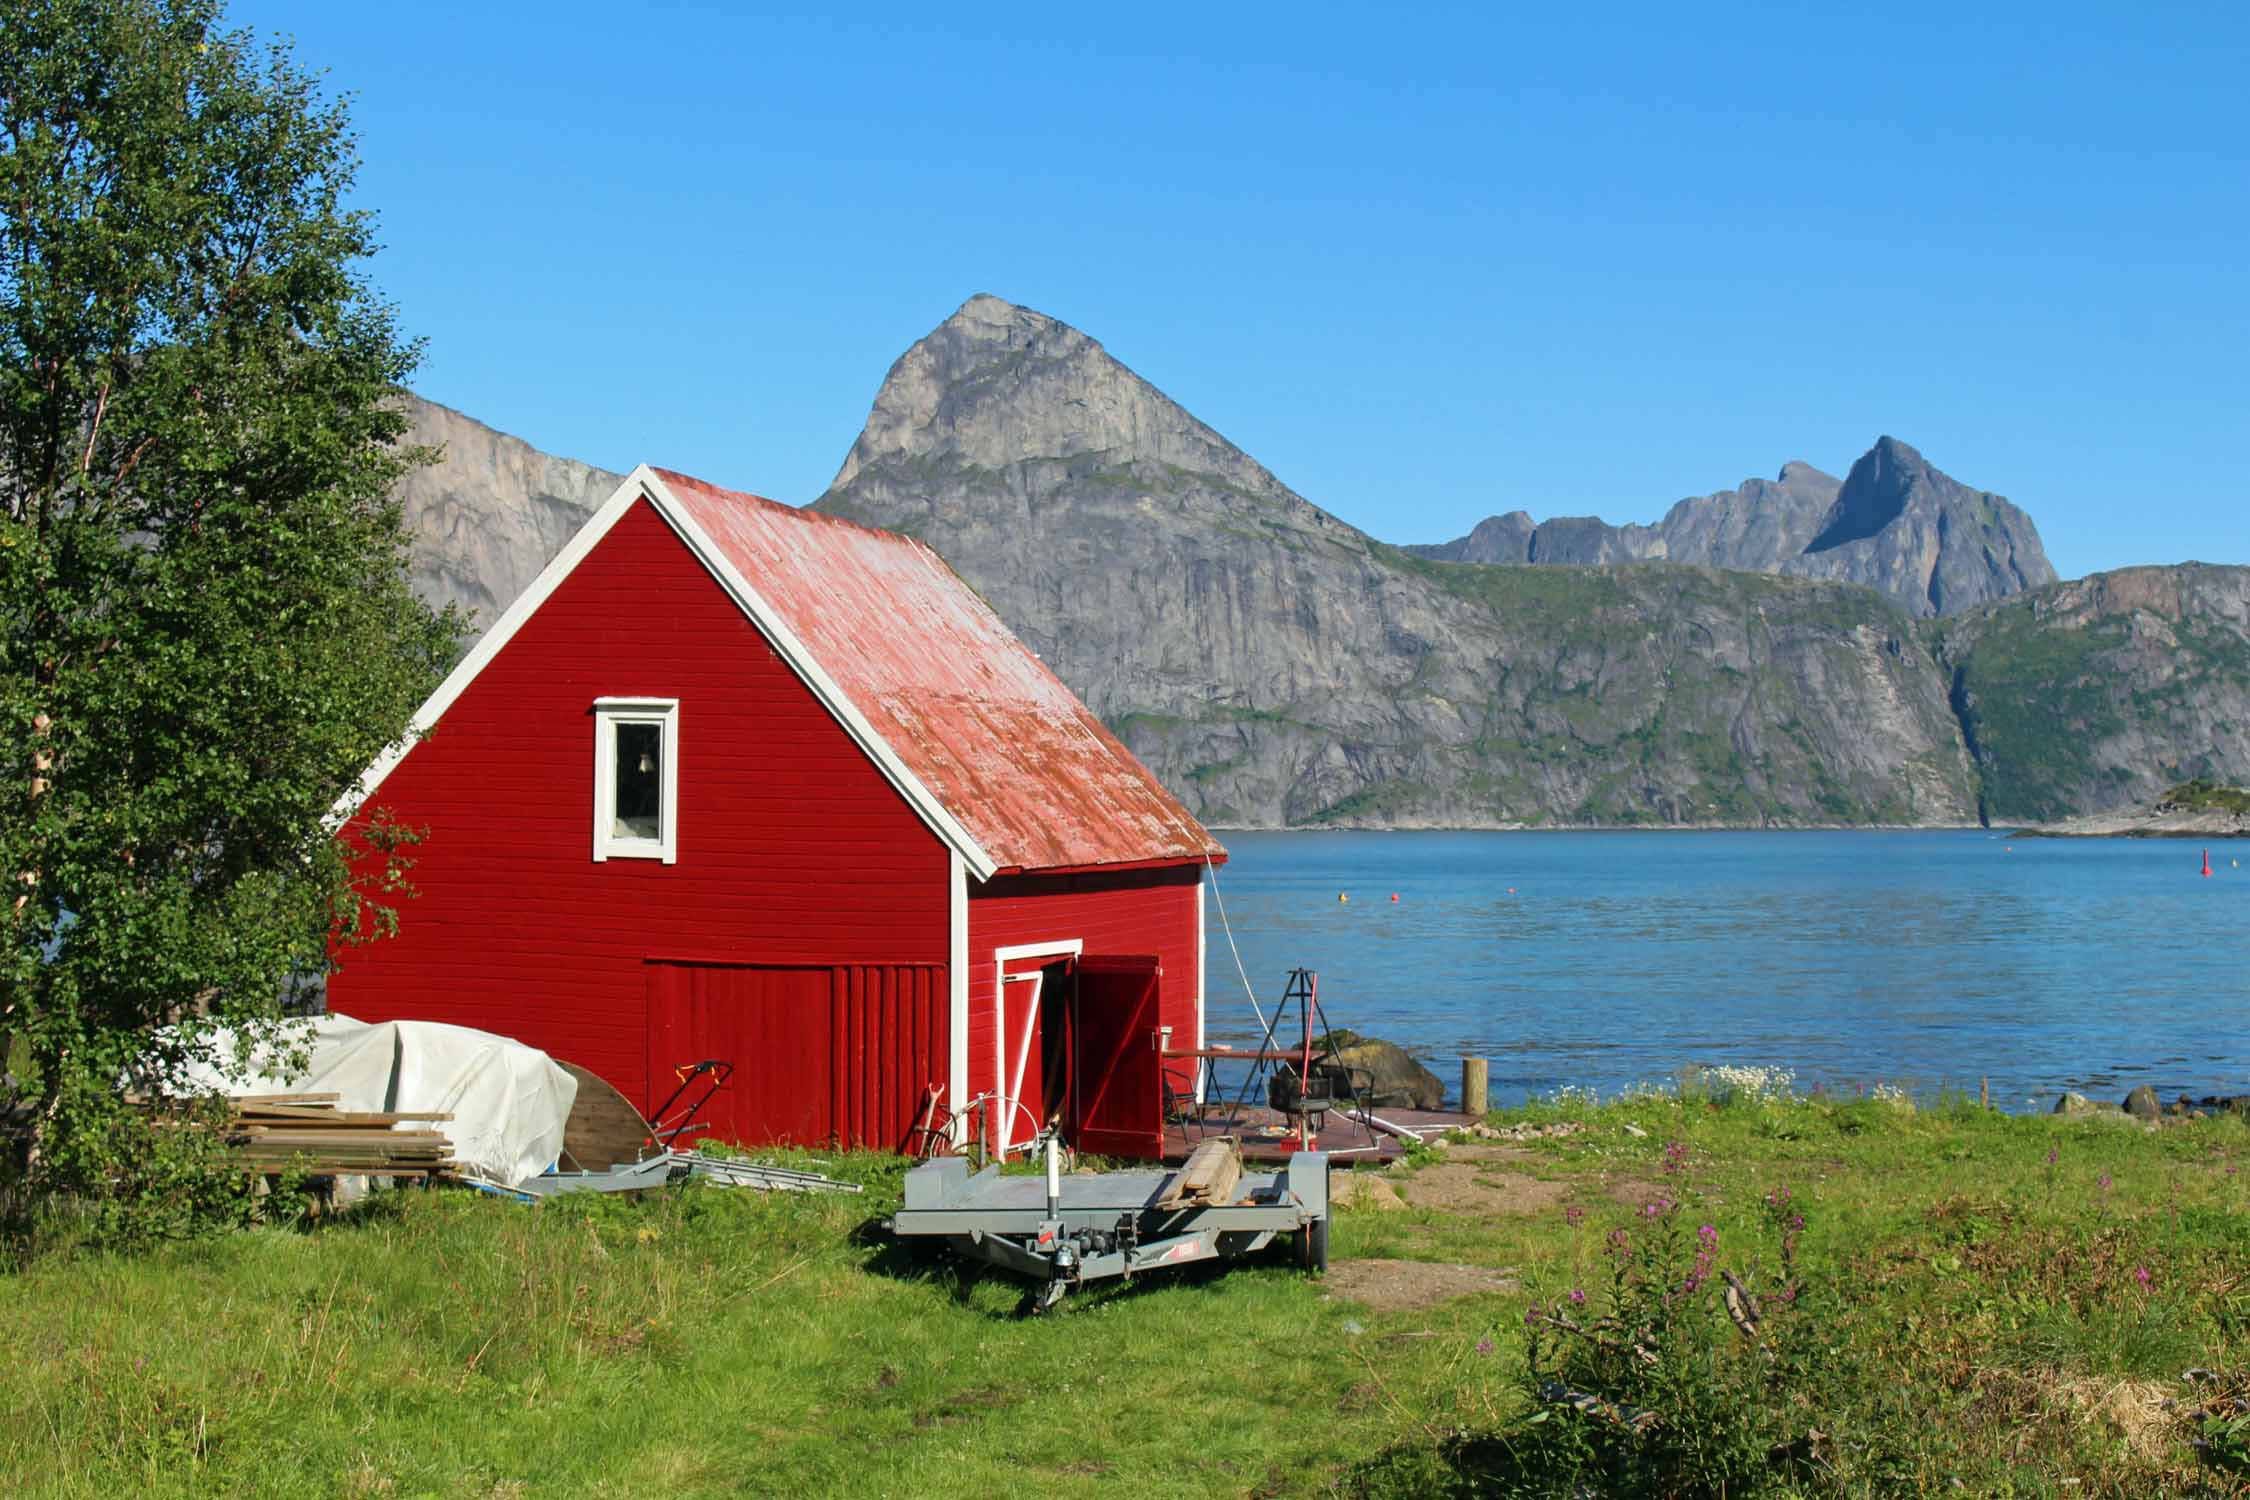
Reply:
x=1427, y=264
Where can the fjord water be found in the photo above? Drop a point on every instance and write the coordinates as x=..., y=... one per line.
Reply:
x=1602, y=960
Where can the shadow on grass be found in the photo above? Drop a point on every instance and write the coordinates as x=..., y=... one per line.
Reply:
x=960, y=1274
x=922, y=1262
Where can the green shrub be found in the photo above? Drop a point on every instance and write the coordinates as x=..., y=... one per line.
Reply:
x=1700, y=1370
x=144, y=1177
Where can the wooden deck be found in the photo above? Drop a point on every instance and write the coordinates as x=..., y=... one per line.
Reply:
x=1267, y=1137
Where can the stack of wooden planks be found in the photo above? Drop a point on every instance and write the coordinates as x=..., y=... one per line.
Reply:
x=307, y=1132
x=1207, y=1178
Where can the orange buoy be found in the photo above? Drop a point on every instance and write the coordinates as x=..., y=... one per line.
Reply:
x=1394, y=895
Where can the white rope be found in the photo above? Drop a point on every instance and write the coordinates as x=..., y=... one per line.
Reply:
x=1228, y=928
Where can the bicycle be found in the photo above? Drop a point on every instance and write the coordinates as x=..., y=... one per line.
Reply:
x=935, y=1133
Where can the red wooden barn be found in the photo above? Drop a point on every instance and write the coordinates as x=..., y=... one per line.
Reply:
x=737, y=780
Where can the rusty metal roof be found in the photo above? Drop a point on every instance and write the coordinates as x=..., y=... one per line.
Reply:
x=999, y=741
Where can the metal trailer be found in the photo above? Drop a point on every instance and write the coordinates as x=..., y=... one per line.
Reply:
x=1064, y=1231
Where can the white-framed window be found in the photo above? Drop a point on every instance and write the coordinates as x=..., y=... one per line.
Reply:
x=637, y=778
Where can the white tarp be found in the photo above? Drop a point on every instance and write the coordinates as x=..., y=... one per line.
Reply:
x=508, y=1101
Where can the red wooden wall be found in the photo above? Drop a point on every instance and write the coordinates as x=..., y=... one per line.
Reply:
x=793, y=849
x=1127, y=912
x=839, y=1054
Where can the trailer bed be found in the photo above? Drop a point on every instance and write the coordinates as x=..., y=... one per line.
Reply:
x=1109, y=1223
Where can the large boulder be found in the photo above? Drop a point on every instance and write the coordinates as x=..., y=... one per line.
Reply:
x=2142, y=1104
x=1400, y=1081
x=2074, y=1104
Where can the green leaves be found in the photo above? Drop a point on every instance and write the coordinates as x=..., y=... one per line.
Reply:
x=205, y=626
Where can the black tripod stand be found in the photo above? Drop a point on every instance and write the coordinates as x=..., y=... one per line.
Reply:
x=1303, y=1084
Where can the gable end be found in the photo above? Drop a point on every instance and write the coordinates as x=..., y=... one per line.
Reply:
x=645, y=484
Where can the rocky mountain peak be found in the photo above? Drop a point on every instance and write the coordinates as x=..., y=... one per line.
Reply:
x=996, y=386
x=1937, y=546
x=1874, y=494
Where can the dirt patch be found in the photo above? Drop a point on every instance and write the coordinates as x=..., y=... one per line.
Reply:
x=1390, y=1285
x=1364, y=1190
x=1358, y=1398
x=1634, y=1193
x=1469, y=1188
x=1490, y=1153
x=960, y=1405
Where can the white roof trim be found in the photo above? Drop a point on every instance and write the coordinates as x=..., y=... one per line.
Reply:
x=825, y=688
x=644, y=483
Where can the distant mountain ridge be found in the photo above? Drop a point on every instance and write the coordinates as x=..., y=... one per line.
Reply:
x=1278, y=667
x=1896, y=524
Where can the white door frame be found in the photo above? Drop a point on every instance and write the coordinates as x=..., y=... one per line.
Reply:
x=1010, y=1089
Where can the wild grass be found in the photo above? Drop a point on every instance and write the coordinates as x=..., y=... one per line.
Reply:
x=2011, y=1303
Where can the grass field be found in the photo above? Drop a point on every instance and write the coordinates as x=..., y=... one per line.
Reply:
x=2006, y=1304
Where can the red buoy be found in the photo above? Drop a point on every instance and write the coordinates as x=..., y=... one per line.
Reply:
x=2206, y=864
x=1394, y=895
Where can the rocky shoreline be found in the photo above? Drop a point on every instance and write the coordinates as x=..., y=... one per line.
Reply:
x=2191, y=810
x=2143, y=1106
x=2146, y=823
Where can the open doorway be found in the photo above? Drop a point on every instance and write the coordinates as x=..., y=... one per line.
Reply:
x=1031, y=1035
x=1077, y=1041
x=1032, y=1053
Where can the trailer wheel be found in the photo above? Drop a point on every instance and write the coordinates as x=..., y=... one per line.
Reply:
x=1312, y=1245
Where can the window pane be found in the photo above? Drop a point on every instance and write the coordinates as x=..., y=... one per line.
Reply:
x=640, y=782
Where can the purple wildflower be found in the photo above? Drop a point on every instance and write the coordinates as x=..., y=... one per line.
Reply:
x=1485, y=1345
x=2104, y=1181
x=1577, y=1297
x=1675, y=1157
x=1531, y=1316
x=2050, y=1156
x=1574, y=1216
x=2140, y=1274
x=1707, y=1251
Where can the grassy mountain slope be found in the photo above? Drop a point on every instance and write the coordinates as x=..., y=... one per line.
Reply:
x=2100, y=693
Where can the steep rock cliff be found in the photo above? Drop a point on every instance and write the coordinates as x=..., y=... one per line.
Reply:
x=490, y=512
x=2100, y=693
x=1277, y=666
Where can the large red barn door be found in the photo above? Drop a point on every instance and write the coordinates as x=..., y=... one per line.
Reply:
x=820, y=1054
x=1117, y=1080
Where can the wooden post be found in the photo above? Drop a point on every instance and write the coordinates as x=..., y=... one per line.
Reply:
x=1984, y=1092
x=1475, y=1073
